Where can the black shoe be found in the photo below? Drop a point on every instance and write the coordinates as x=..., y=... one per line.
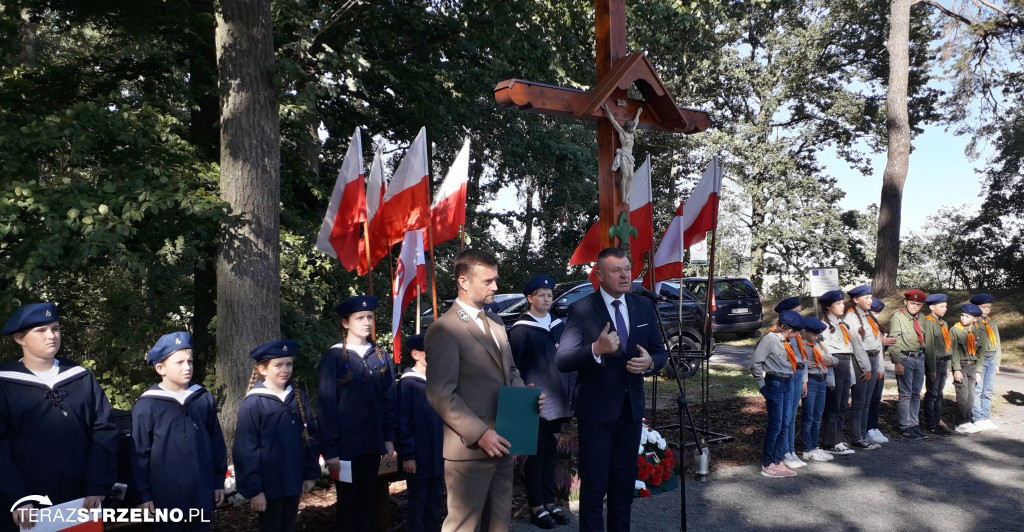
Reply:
x=919, y=432
x=940, y=431
x=559, y=516
x=909, y=434
x=542, y=519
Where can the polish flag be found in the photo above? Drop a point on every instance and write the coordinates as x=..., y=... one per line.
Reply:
x=641, y=212
x=448, y=212
x=410, y=274
x=406, y=204
x=690, y=224
x=341, y=231
x=374, y=197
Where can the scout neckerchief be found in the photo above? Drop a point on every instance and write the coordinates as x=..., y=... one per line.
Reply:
x=917, y=325
x=800, y=344
x=792, y=355
x=874, y=328
x=988, y=329
x=971, y=345
x=817, y=355
x=945, y=331
x=846, y=334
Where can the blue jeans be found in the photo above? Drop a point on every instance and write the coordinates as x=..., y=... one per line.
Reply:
x=909, y=385
x=796, y=389
x=983, y=390
x=776, y=394
x=814, y=405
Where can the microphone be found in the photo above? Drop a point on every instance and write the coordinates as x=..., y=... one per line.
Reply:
x=641, y=291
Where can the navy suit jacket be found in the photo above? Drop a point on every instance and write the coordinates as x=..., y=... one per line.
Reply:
x=601, y=388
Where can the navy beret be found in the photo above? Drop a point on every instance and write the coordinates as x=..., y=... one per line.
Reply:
x=789, y=303
x=272, y=350
x=915, y=295
x=29, y=316
x=814, y=324
x=538, y=281
x=168, y=344
x=415, y=342
x=877, y=305
x=982, y=299
x=862, y=290
x=971, y=310
x=935, y=299
x=830, y=297
x=791, y=319
x=356, y=304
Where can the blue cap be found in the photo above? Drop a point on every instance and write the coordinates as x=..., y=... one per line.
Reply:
x=791, y=319
x=356, y=304
x=789, y=303
x=29, y=316
x=538, y=281
x=877, y=305
x=935, y=299
x=862, y=290
x=814, y=324
x=971, y=310
x=830, y=297
x=982, y=299
x=415, y=342
x=272, y=350
x=167, y=345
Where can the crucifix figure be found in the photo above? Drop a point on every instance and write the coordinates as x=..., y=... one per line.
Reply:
x=624, y=162
x=616, y=71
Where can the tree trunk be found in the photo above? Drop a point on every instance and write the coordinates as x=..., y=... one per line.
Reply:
x=309, y=141
x=758, y=244
x=887, y=252
x=248, y=262
x=204, y=135
x=29, y=50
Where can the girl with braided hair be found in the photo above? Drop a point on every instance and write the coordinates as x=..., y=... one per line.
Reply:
x=276, y=449
x=357, y=413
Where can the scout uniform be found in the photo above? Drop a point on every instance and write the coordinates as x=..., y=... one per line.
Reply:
x=908, y=352
x=178, y=454
x=357, y=415
x=796, y=385
x=56, y=434
x=967, y=343
x=772, y=365
x=937, y=347
x=866, y=336
x=420, y=437
x=853, y=362
x=991, y=357
x=818, y=365
x=270, y=454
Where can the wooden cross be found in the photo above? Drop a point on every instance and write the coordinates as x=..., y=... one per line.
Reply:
x=615, y=73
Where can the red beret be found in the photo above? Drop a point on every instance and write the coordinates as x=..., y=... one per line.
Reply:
x=915, y=295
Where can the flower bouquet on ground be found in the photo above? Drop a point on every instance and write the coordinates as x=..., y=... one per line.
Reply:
x=656, y=464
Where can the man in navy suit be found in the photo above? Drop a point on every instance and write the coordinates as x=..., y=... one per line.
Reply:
x=611, y=340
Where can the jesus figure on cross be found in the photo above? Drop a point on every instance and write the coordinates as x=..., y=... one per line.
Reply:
x=623, y=161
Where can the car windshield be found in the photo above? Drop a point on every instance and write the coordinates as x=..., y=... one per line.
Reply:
x=724, y=289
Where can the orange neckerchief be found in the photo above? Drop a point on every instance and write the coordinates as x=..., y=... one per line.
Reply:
x=874, y=328
x=945, y=331
x=846, y=334
x=800, y=344
x=792, y=355
x=988, y=329
x=817, y=355
x=972, y=347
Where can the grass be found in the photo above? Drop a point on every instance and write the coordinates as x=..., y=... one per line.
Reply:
x=725, y=382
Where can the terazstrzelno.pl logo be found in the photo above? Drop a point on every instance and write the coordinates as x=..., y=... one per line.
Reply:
x=72, y=513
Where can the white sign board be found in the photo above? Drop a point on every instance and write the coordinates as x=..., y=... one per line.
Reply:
x=823, y=280
x=699, y=253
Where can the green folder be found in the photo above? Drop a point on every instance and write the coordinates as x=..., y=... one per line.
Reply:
x=519, y=418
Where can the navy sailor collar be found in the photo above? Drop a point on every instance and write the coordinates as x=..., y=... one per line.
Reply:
x=261, y=389
x=67, y=371
x=156, y=392
x=530, y=321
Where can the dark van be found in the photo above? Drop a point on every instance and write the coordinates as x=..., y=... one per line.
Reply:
x=735, y=307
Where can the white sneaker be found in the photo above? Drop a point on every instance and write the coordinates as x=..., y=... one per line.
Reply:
x=792, y=461
x=841, y=449
x=876, y=436
x=821, y=456
x=967, y=428
x=985, y=424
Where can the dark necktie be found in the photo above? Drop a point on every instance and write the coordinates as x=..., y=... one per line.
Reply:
x=620, y=325
x=487, y=326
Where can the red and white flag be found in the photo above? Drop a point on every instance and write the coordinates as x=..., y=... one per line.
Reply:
x=641, y=212
x=410, y=273
x=448, y=212
x=406, y=205
x=342, y=229
x=690, y=224
x=375, y=235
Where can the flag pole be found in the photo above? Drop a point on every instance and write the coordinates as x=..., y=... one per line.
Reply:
x=430, y=232
x=366, y=245
x=418, y=310
x=708, y=330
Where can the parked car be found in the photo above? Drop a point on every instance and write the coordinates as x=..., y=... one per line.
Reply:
x=501, y=302
x=735, y=306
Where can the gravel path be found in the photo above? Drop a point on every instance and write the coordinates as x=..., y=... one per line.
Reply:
x=950, y=483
